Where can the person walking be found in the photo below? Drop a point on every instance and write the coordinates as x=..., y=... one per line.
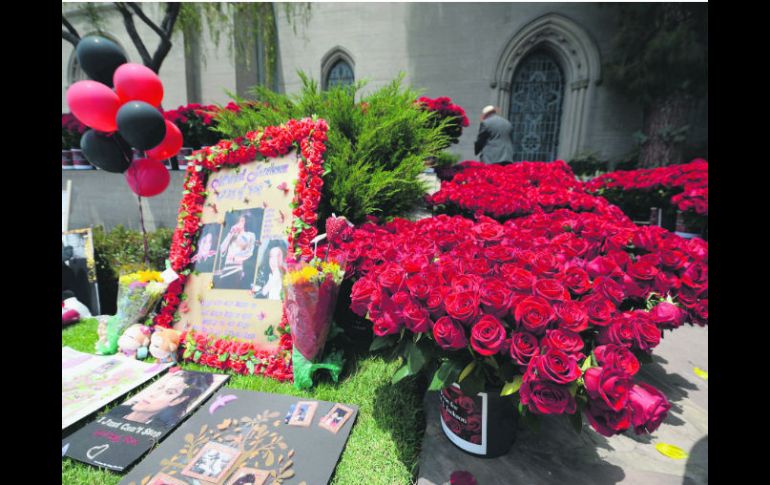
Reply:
x=495, y=138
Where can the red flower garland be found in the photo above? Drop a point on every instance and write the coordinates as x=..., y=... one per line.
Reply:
x=308, y=135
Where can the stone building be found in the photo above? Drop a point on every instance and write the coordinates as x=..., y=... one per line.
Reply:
x=541, y=63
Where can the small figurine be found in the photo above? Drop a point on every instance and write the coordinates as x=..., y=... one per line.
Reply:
x=134, y=341
x=163, y=344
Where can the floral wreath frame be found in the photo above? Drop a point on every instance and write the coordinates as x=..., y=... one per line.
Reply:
x=308, y=137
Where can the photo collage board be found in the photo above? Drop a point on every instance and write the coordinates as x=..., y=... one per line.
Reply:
x=243, y=437
x=118, y=438
x=235, y=289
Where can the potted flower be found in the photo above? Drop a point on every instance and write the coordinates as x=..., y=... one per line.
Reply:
x=549, y=314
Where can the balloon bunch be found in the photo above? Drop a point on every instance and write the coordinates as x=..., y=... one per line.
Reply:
x=124, y=117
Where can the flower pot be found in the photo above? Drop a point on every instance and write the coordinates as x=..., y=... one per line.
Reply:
x=483, y=425
x=79, y=161
x=66, y=160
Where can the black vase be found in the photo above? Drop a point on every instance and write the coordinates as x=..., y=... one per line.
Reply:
x=483, y=425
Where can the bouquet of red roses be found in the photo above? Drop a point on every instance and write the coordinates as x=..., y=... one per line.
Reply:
x=558, y=309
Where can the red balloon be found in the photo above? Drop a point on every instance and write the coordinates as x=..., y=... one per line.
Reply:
x=147, y=177
x=94, y=104
x=169, y=146
x=135, y=82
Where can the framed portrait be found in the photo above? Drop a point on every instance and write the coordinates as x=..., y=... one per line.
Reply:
x=336, y=418
x=303, y=413
x=212, y=463
x=247, y=205
x=248, y=476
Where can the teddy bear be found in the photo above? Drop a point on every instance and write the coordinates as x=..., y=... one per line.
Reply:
x=163, y=344
x=134, y=341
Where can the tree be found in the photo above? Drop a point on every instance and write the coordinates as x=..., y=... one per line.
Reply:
x=246, y=26
x=660, y=57
x=128, y=10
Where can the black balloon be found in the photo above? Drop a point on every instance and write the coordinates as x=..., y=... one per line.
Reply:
x=141, y=125
x=108, y=152
x=99, y=57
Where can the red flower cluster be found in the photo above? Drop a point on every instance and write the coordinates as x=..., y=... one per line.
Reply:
x=505, y=191
x=538, y=291
x=206, y=113
x=240, y=357
x=70, y=123
x=444, y=108
x=688, y=182
x=307, y=135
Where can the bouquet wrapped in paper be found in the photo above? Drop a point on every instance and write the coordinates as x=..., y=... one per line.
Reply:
x=138, y=293
x=310, y=296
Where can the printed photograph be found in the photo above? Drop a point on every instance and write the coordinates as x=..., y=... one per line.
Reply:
x=164, y=479
x=236, y=262
x=336, y=418
x=289, y=413
x=205, y=255
x=212, y=463
x=303, y=414
x=166, y=401
x=271, y=266
x=248, y=476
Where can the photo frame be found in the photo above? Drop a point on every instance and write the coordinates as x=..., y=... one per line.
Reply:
x=303, y=414
x=254, y=476
x=164, y=479
x=336, y=418
x=237, y=175
x=212, y=463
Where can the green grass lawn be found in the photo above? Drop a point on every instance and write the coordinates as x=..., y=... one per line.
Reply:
x=384, y=444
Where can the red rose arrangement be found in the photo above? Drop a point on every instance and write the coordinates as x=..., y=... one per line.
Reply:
x=506, y=191
x=443, y=108
x=308, y=137
x=559, y=307
x=71, y=131
x=684, y=185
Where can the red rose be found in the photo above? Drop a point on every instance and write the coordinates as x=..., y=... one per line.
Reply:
x=615, y=356
x=572, y=316
x=667, y=315
x=642, y=270
x=545, y=264
x=611, y=385
x=466, y=282
x=557, y=366
x=449, y=335
x=495, y=297
x=416, y=317
x=649, y=407
x=391, y=276
x=387, y=323
x=520, y=279
x=524, y=346
x=418, y=286
x=696, y=276
x=487, y=335
x=577, y=280
x=435, y=301
x=544, y=397
x=534, y=313
x=550, y=289
x=462, y=306
x=621, y=331
x=489, y=231
x=603, y=266
x=164, y=319
x=605, y=421
x=600, y=310
x=361, y=296
x=609, y=288
x=563, y=340
x=647, y=333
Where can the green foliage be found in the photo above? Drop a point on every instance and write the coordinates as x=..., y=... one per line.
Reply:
x=120, y=251
x=376, y=148
x=445, y=159
x=659, y=49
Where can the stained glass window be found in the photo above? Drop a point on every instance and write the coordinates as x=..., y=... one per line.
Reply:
x=537, y=92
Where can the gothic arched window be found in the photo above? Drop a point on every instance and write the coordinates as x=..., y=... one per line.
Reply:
x=340, y=74
x=537, y=92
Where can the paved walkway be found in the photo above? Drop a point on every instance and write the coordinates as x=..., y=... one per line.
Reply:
x=558, y=455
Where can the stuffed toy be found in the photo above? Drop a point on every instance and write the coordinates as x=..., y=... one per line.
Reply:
x=73, y=311
x=134, y=341
x=163, y=344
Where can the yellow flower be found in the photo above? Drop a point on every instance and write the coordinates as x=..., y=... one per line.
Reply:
x=147, y=276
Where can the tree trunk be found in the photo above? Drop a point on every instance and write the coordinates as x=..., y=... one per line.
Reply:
x=665, y=129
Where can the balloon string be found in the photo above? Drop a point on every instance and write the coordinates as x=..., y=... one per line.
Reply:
x=144, y=234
